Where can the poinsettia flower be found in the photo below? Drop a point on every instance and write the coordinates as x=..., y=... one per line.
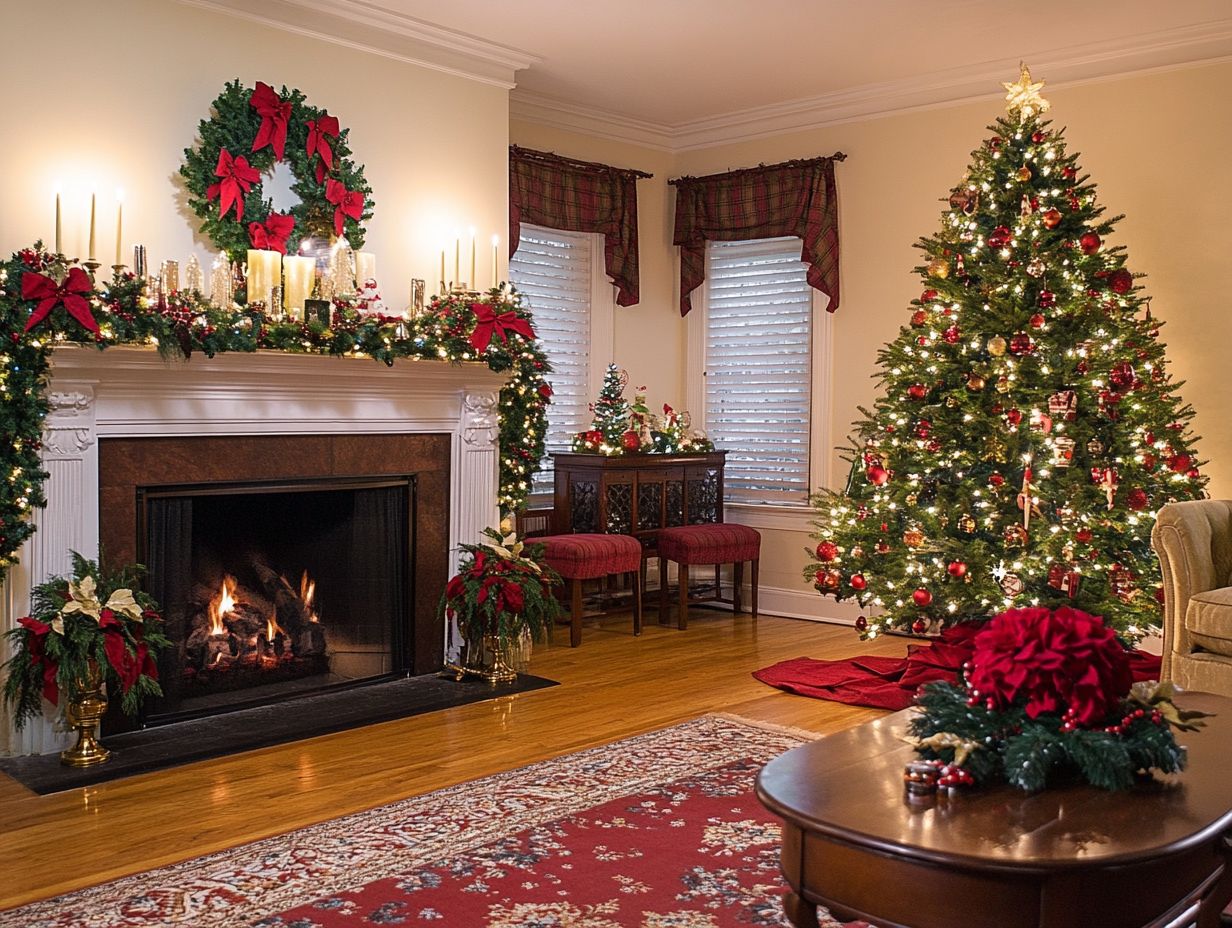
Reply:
x=122, y=601
x=82, y=598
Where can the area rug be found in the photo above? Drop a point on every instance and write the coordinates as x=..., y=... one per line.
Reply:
x=658, y=831
x=891, y=682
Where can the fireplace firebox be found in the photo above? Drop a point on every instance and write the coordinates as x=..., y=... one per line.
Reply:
x=274, y=589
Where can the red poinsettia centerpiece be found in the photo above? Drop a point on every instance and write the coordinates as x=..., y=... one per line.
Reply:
x=1047, y=692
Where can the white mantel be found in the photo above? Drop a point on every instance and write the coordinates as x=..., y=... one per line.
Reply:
x=134, y=393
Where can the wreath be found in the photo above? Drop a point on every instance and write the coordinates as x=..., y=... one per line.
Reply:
x=250, y=132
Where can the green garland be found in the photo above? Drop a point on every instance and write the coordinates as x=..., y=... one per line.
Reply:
x=233, y=128
x=187, y=323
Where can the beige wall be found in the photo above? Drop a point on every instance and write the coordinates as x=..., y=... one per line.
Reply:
x=107, y=95
x=1156, y=146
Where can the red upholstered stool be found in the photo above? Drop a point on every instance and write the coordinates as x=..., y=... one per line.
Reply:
x=587, y=557
x=716, y=543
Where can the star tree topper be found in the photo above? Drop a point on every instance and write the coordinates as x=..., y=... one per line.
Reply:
x=1025, y=95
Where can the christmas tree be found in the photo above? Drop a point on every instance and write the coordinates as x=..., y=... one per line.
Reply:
x=1027, y=430
x=611, y=417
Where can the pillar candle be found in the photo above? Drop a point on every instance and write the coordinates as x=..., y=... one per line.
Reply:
x=495, y=260
x=297, y=279
x=474, y=281
x=365, y=268
x=119, y=226
x=263, y=275
x=59, y=245
x=457, y=261
x=444, y=287
x=92, y=198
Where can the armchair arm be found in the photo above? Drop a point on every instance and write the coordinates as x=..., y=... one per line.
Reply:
x=1193, y=540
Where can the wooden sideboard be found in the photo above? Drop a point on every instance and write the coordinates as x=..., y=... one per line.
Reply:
x=637, y=494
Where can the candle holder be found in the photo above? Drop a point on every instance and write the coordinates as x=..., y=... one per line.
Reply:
x=92, y=265
x=117, y=271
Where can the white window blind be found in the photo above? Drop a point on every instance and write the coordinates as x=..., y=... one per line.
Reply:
x=551, y=268
x=757, y=367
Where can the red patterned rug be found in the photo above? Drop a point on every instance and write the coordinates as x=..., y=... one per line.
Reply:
x=658, y=831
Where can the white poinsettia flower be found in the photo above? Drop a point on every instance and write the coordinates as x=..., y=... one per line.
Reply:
x=57, y=625
x=82, y=598
x=122, y=601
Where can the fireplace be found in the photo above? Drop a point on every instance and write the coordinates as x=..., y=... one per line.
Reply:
x=274, y=589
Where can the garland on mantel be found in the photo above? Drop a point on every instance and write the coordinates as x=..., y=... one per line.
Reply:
x=46, y=300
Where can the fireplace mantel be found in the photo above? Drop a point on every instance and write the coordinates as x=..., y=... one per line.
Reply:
x=134, y=393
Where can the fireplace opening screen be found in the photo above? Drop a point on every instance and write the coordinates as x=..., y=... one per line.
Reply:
x=274, y=590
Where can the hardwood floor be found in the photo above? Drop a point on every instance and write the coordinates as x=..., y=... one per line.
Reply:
x=613, y=686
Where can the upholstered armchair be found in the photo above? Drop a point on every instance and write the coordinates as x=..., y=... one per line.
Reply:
x=1194, y=544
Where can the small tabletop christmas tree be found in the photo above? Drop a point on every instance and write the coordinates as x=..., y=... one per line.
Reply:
x=1027, y=431
x=609, y=429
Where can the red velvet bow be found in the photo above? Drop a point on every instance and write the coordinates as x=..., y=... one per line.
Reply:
x=50, y=294
x=36, y=647
x=237, y=175
x=274, y=114
x=128, y=666
x=320, y=131
x=488, y=323
x=348, y=203
x=273, y=234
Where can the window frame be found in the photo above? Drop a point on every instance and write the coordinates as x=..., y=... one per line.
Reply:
x=768, y=514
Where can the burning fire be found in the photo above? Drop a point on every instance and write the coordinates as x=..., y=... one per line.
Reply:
x=224, y=605
x=307, y=592
x=272, y=628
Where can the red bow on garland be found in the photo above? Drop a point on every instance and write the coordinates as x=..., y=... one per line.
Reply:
x=320, y=131
x=488, y=323
x=237, y=176
x=36, y=647
x=50, y=294
x=348, y=203
x=274, y=114
x=273, y=235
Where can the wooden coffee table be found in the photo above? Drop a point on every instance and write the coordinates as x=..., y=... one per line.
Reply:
x=1072, y=857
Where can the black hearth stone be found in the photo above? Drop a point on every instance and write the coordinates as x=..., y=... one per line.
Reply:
x=261, y=727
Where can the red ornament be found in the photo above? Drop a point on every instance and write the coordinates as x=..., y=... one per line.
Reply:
x=1193, y=473
x=994, y=143
x=1013, y=416
x=1122, y=376
x=928, y=295
x=1020, y=343
x=998, y=237
x=1069, y=172
x=956, y=569
x=919, y=626
x=1084, y=536
x=933, y=445
x=630, y=440
x=1121, y=281
x=918, y=318
x=858, y=582
x=1047, y=300
x=951, y=335
x=1179, y=462
x=877, y=475
x=1148, y=461
x=922, y=341
x=917, y=391
x=1137, y=499
x=923, y=428
x=861, y=623
x=922, y=597
x=827, y=551
x=1038, y=136
x=996, y=480
x=595, y=437
x=1051, y=218
x=545, y=390
x=1090, y=243
x=1037, y=320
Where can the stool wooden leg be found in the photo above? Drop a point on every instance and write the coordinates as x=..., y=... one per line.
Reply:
x=662, y=590
x=637, y=601
x=682, y=620
x=718, y=581
x=575, y=624
x=737, y=580
x=754, y=563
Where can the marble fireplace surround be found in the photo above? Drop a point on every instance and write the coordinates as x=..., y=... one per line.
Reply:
x=134, y=393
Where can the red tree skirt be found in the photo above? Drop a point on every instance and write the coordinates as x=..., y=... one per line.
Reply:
x=891, y=682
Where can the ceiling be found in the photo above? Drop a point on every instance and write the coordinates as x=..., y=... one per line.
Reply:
x=672, y=71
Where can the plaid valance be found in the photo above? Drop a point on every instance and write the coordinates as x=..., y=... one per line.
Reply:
x=580, y=196
x=792, y=198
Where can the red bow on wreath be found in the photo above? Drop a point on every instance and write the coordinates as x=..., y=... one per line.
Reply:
x=488, y=323
x=274, y=114
x=348, y=203
x=36, y=647
x=237, y=176
x=50, y=294
x=273, y=234
x=320, y=131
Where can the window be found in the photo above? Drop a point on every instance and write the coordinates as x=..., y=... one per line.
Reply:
x=560, y=276
x=757, y=357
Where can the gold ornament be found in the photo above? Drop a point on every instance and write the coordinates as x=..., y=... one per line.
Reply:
x=975, y=383
x=966, y=523
x=1024, y=95
x=912, y=499
x=1015, y=536
x=1024, y=174
x=939, y=267
x=994, y=449
x=913, y=538
x=997, y=346
x=1003, y=384
x=951, y=401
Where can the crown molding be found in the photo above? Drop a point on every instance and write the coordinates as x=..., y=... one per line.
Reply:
x=1159, y=51
x=367, y=27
